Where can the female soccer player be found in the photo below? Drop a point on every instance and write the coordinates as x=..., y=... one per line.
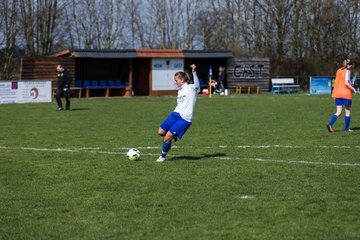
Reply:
x=176, y=124
x=342, y=93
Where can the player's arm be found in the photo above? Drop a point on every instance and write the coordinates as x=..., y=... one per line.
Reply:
x=348, y=82
x=196, y=79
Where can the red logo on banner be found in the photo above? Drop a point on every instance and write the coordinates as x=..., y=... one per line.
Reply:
x=34, y=93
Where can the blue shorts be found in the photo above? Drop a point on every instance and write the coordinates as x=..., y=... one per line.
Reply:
x=175, y=124
x=343, y=102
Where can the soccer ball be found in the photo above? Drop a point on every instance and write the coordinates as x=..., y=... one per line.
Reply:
x=133, y=154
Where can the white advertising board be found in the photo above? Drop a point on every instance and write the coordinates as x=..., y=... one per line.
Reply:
x=25, y=91
x=163, y=71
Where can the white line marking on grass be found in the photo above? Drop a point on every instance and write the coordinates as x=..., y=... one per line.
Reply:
x=89, y=148
x=260, y=146
x=268, y=146
x=246, y=197
x=282, y=146
x=98, y=151
x=76, y=150
x=291, y=161
x=245, y=147
x=46, y=149
x=184, y=147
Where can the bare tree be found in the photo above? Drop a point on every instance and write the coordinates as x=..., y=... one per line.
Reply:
x=9, y=30
x=278, y=29
x=351, y=14
x=167, y=17
x=38, y=21
x=252, y=28
x=134, y=24
x=297, y=34
x=188, y=18
x=239, y=27
x=278, y=14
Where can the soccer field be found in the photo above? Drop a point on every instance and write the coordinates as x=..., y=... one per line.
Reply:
x=250, y=167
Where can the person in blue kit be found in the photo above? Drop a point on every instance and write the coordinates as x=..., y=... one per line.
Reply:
x=178, y=122
x=62, y=87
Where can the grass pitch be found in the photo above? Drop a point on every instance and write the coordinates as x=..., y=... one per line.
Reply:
x=249, y=167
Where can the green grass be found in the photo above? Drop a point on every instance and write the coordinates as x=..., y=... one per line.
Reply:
x=250, y=167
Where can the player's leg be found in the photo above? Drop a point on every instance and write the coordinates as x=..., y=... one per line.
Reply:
x=58, y=95
x=166, y=146
x=164, y=132
x=67, y=98
x=347, y=118
x=177, y=130
x=338, y=111
x=222, y=86
x=167, y=124
x=335, y=116
x=161, y=132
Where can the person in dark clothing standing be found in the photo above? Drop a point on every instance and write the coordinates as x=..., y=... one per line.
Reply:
x=221, y=79
x=63, y=87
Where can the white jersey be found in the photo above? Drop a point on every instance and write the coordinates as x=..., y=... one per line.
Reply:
x=347, y=76
x=186, y=99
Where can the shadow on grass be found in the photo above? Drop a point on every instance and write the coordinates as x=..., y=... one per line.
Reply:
x=352, y=128
x=80, y=109
x=195, y=158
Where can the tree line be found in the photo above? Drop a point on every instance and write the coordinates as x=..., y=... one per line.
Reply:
x=300, y=37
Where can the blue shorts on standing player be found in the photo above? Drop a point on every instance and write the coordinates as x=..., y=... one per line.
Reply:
x=175, y=124
x=343, y=102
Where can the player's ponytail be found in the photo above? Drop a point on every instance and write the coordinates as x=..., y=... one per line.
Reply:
x=188, y=77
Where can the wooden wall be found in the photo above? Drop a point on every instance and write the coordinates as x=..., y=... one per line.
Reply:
x=164, y=93
x=44, y=68
x=141, y=77
x=253, y=72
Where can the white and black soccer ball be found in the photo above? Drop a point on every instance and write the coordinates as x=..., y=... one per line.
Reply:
x=133, y=154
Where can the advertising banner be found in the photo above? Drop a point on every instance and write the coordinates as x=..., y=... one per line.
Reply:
x=321, y=85
x=25, y=91
x=163, y=71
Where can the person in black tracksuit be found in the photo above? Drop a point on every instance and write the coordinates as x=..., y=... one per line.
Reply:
x=63, y=87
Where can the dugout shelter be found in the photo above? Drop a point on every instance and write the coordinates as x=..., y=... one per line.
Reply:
x=139, y=72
